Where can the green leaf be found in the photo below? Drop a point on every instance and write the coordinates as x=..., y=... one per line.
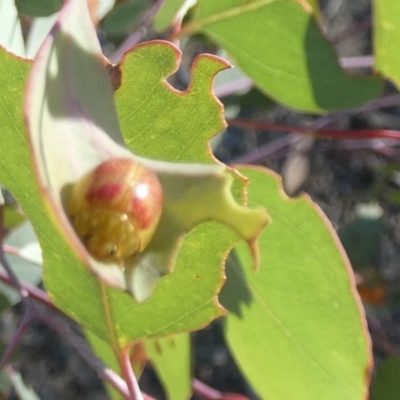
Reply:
x=27, y=265
x=193, y=193
x=171, y=358
x=13, y=144
x=361, y=238
x=123, y=17
x=297, y=319
x=311, y=6
x=106, y=354
x=72, y=127
x=4, y=305
x=387, y=39
x=12, y=217
x=16, y=174
x=15, y=168
x=279, y=45
x=11, y=37
x=167, y=13
x=183, y=124
x=5, y=384
x=161, y=122
x=38, y=8
x=386, y=384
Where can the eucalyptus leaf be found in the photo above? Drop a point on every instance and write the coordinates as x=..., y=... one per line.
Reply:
x=386, y=383
x=298, y=317
x=38, y=8
x=123, y=17
x=171, y=358
x=169, y=11
x=387, y=39
x=279, y=45
x=72, y=127
x=11, y=36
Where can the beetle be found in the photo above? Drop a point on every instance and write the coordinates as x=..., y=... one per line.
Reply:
x=115, y=208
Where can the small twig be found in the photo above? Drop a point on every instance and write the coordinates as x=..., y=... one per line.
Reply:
x=384, y=102
x=4, y=262
x=30, y=310
x=353, y=30
x=32, y=291
x=130, y=378
x=14, y=280
x=15, y=251
x=375, y=144
x=16, y=340
x=381, y=340
x=230, y=88
x=270, y=149
x=357, y=62
x=265, y=151
x=323, y=133
x=208, y=393
x=136, y=36
x=61, y=325
x=175, y=29
x=245, y=83
x=321, y=122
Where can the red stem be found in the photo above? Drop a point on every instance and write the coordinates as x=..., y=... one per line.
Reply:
x=138, y=34
x=208, y=393
x=33, y=291
x=30, y=310
x=129, y=376
x=24, y=324
x=323, y=133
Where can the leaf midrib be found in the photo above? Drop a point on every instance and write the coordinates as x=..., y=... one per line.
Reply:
x=114, y=343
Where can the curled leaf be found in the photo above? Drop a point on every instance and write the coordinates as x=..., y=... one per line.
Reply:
x=73, y=127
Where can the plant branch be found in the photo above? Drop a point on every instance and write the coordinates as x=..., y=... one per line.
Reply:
x=357, y=62
x=380, y=338
x=208, y=393
x=322, y=133
x=266, y=151
x=139, y=33
x=16, y=340
x=4, y=262
x=353, y=30
x=230, y=88
x=32, y=291
x=30, y=310
x=317, y=126
x=129, y=376
x=61, y=325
